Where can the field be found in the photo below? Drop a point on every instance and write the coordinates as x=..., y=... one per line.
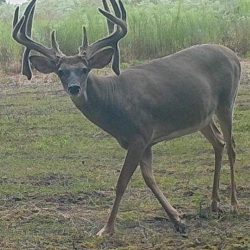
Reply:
x=58, y=173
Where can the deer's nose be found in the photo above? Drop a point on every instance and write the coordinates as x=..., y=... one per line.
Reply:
x=74, y=89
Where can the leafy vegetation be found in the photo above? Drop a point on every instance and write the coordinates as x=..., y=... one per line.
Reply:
x=156, y=28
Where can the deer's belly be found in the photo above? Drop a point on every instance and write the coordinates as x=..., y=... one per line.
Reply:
x=165, y=132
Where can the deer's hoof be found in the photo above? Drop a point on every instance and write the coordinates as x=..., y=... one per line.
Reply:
x=180, y=227
x=215, y=208
x=105, y=231
x=235, y=208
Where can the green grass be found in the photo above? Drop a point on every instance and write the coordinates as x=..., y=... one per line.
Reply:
x=154, y=29
x=58, y=173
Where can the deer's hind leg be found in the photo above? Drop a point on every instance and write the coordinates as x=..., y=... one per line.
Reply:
x=215, y=137
x=225, y=115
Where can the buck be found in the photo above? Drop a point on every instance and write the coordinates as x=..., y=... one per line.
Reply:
x=161, y=100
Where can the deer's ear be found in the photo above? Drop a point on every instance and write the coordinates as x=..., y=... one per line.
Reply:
x=101, y=58
x=43, y=64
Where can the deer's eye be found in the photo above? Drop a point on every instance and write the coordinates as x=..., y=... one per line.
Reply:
x=84, y=70
x=63, y=72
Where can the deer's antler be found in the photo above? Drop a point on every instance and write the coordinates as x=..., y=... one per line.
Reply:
x=117, y=27
x=22, y=34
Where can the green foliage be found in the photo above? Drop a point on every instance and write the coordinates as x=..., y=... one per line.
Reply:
x=9, y=51
x=156, y=28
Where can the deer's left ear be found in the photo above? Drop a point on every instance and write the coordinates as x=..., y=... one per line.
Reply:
x=101, y=58
x=43, y=64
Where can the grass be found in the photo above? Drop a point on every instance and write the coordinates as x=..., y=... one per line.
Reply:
x=58, y=173
x=154, y=29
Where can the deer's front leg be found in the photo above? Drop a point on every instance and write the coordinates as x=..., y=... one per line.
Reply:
x=147, y=173
x=134, y=155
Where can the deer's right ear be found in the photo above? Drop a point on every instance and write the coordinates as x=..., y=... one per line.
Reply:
x=43, y=64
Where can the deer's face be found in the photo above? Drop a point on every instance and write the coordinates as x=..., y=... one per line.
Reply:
x=73, y=71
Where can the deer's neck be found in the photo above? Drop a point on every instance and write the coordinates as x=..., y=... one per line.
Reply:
x=100, y=97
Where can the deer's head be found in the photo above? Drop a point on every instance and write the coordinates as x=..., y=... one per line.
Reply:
x=72, y=70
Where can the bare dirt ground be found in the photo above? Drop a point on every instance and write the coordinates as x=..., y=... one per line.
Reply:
x=58, y=173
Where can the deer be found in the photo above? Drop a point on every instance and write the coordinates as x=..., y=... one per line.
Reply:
x=160, y=100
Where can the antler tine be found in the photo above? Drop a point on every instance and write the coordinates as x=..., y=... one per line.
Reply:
x=123, y=11
x=121, y=30
x=28, y=16
x=116, y=8
x=116, y=11
x=20, y=33
x=85, y=42
x=115, y=20
x=119, y=19
x=26, y=69
x=16, y=14
x=116, y=57
x=109, y=23
x=85, y=38
x=111, y=27
x=116, y=60
x=29, y=13
x=55, y=45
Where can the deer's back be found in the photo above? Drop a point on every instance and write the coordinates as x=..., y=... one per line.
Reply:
x=167, y=92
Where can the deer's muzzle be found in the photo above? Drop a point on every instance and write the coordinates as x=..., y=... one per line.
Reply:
x=74, y=89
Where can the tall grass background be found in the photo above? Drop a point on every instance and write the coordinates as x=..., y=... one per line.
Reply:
x=156, y=27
